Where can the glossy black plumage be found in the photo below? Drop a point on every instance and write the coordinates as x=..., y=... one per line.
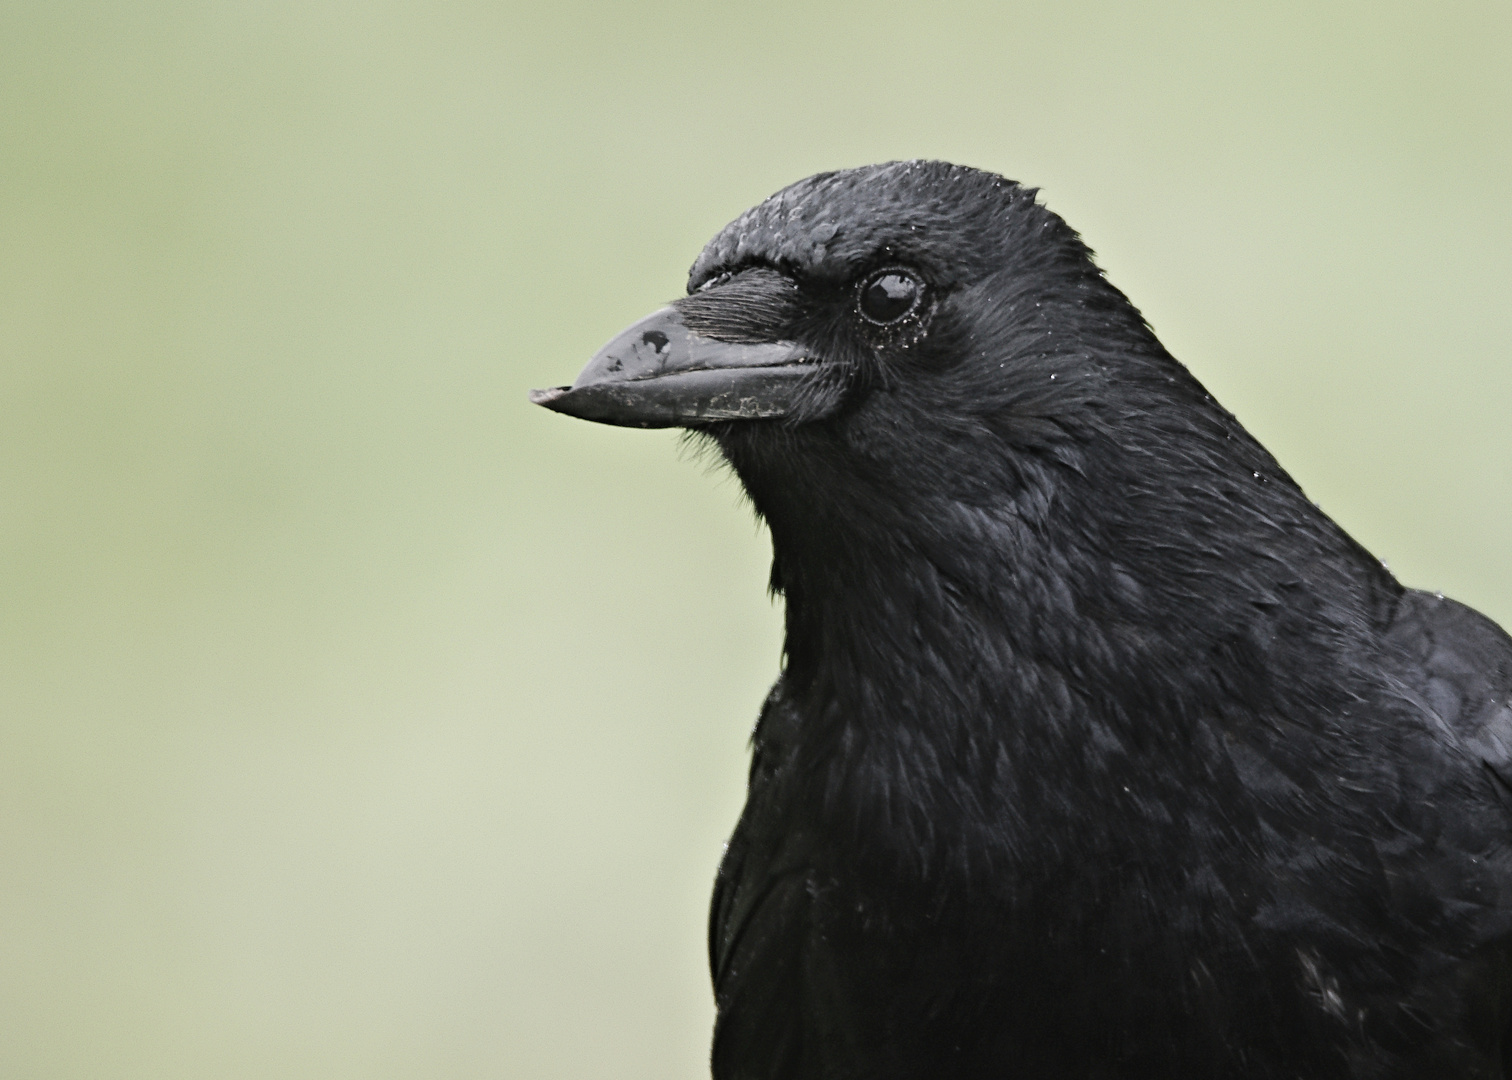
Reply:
x=1098, y=751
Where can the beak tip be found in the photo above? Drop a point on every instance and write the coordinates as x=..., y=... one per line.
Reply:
x=549, y=396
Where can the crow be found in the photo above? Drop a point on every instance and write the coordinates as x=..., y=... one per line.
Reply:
x=1098, y=750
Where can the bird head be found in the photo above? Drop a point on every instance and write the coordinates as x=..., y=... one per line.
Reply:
x=913, y=282
x=909, y=329
x=917, y=365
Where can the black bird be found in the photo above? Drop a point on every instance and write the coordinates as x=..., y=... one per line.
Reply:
x=1098, y=749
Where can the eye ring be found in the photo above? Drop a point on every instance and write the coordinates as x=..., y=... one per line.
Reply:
x=887, y=297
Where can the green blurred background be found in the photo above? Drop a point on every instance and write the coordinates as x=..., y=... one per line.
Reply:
x=359, y=720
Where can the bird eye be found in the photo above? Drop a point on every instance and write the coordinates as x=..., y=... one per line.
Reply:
x=888, y=296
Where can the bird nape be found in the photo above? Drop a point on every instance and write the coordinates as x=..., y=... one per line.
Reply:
x=1098, y=750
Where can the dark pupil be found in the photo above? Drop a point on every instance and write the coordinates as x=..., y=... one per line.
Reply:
x=889, y=297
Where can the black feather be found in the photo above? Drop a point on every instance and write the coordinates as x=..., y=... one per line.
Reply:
x=1099, y=751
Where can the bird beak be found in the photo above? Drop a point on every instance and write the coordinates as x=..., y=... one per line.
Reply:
x=659, y=373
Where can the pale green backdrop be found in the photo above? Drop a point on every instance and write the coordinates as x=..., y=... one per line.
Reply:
x=359, y=720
